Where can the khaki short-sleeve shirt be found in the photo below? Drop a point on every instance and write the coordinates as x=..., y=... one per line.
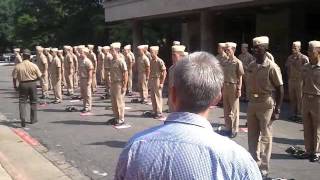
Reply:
x=26, y=71
x=107, y=61
x=84, y=66
x=129, y=61
x=143, y=64
x=246, y=59
x=233, y=70
x=55, y=64
x=118, y=67
x=295, y=66
x=311, y=79
x=156, y=67
x=69, y=63
x=42, y=62
x=264, y=78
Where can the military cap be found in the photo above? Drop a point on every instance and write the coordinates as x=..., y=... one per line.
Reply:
x=128, y=47
x=54, y=49
x=260, y=40
x=176, y=43
x=16, y=49
x=26, y=52
x=90, y=46
x=154, y=48
x=297, y=43
x=115, y=45
x=186, y=53
x=222, y=45
x=47, y=49
x=314, y=43
x=106, y=47
x=178, y=48
x=231, y=44
x=60, y=51
x=141, y=47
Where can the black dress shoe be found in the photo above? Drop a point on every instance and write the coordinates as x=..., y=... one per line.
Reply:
x=233, y=135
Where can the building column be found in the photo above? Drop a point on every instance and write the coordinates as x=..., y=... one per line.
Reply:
x=206, y=31
x=185, y=34
x=137, y=33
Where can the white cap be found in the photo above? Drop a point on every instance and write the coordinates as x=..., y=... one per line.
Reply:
x=154, y=48
x=297, y=43
x=39, y=48
x=54, y=49
x=245, y=45
x=47, y=49
x=84, y=49
x=222, y=44
x=116, y=45
x=178, y=48
x=16, y=49
x=260, y=40
x=141, y=47
x=231, y=44
x=106, y=47
x=186, y=53
x=176, y=43
x=314, y=43
x=90, y=46
x=127, y=47
x=145, y=46
x=60, y=51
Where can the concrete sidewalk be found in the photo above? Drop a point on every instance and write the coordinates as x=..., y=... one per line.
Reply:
x=20, y=161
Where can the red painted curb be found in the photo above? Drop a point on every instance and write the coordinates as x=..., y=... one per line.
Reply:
x=26, y=137
x=244, y=129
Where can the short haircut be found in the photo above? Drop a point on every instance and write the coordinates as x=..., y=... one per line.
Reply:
x=198, y=79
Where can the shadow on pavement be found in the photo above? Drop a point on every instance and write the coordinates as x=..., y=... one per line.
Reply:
x=115, y=144
x=282, y=156
x=288, y=141
x=78, y=122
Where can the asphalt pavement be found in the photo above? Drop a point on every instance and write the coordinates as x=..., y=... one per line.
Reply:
x=93, y=147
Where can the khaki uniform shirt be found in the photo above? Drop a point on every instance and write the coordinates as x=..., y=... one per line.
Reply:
x=84, y=66
x=156, y=67
x=263, y=78
x=42, y=62
x=295, y=65
x=18, y=58
x=129, y=61
x=69, y=63
x=148, y=55
x=143, y=63
x=100, y=61
x=118, y=67
x=75, y=63
x=133, y=57
x=246, y=59
x=311, y=79
x=92, y=56
x=49, y=58
x=26, y=71
x=232, y=70
x=107, y=61
x=55, y=64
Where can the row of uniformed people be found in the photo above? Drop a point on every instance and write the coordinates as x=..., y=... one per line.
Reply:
x=262, y=77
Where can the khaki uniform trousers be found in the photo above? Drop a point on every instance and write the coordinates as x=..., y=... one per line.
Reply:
x=86, y=94
x=231, y=107
x=143, y=85
x=129, y=80
x=117, y=100
x=94, y=81
x=259, y=114
x=63, y=80
x=44, y=85
x=107, y=80
x=75, y=80
x=156, y=95
x=311, y=123
x=100, y=76
x=69, y=81
x=49, y=81
x=295, y=94
x=56, y=85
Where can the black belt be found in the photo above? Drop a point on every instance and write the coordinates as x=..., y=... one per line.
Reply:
x=29, y=81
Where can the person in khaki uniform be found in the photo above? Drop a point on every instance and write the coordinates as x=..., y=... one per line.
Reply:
x=264, y=77
x=157, y=78
x=294, y=65
x=106, y=64
x=177, y=53
x=47, y=52
x=143, y=64
x=119, y=80
x=61, y=57
x=56, y=76
x=100, y=68
x=18, y=58
x=75, y=67
x=43, y=66
x=246, y=58
x=221, y=56
x=69, y=70
x=233, y=72
x=85, y=73
x=129, y=58
x=27, y=75
x=92, y=56
x=311, y=102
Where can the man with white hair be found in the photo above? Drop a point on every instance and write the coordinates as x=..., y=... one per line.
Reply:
x=185, y=145
x=43, y=66
x=143, y=64
x=157, y=77
x=56, y=77
x=85, y=73
x=233, y=72
x=311, y=102
x=130, y=62
x=69, y=70
x=119, y=80
x=264, y=79
x=294, y=65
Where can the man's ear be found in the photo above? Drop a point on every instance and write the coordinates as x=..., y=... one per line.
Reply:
x=216, y=100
